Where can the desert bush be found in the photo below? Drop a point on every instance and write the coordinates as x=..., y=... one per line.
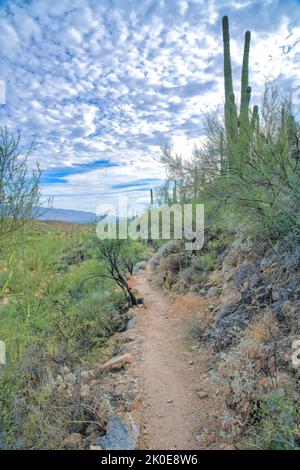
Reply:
x=241, y=382
x=47, y=327
x=278, y=422
x=173, y=263
x=199, y=323
x=44, y=417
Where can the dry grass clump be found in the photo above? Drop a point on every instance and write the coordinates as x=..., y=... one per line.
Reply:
x=264, y=330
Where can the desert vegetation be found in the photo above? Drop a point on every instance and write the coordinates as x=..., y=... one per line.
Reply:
x=247, y=176
x=55, y=327
x=57, y=319
x=65, y=295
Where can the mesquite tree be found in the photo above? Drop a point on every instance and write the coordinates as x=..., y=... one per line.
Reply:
x=116, y=267
x=19, y=188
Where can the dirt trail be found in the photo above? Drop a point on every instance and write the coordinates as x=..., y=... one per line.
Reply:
x=169, y=369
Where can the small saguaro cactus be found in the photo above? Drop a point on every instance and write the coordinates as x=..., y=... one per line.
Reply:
x=255, y=118
x=175, y=192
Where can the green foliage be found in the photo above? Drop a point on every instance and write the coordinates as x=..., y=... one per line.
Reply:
x=246, y=173
x=237, y=127
x=207, y=261
x=278, y=422
x=230, y=106
x=247, y=169
x=47, y=325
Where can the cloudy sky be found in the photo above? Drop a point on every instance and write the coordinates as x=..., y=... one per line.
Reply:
x=102, y=84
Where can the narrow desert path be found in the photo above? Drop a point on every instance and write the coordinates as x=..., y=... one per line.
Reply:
x=167, y=368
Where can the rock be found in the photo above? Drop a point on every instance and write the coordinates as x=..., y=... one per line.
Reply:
x=135, y=404
x=231, y=320
x=121, y=434
x=91, y=429
x=202, y=395
x=140, y=266
x=73, y=441
x=87, y=375
x=173, y=263
x=280, y=295
x=228, y=272
x=95, y=448
x=212, y=292
x=267, y=261
x=118, y=362
x=84, y=390
x=227, y=309
x=170, y=401
x=173, y=246
x=159, y=279
x=247, y=276
x=210, y=439
x=131, y=323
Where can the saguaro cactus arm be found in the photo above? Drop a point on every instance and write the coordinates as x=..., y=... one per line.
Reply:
x=245, y=88
x=151, y=196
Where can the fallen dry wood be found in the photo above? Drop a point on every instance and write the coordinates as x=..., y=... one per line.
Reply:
x=117, y=362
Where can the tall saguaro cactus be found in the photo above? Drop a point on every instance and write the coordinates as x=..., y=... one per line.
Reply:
x=237, y=127
x=230, y=106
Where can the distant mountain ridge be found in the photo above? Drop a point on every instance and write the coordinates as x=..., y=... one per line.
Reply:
x=64, y=215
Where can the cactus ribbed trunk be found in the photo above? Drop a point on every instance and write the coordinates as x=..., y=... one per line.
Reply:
x=230, y=106
x=222, y=156
x=227, y=59
x=175, y=192
x=245, y=88
x=195, y=182
x=237, y=128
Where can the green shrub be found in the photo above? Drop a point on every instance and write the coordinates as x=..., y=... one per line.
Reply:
x=48, y=325
x=278, y=422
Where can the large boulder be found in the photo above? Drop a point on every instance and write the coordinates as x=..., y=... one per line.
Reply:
x=142, y=265
x=173, y=246
x=173, y=263
x=122, y=433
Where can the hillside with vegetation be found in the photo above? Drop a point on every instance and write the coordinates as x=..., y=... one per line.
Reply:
x=56, y=332
x=247, y=176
